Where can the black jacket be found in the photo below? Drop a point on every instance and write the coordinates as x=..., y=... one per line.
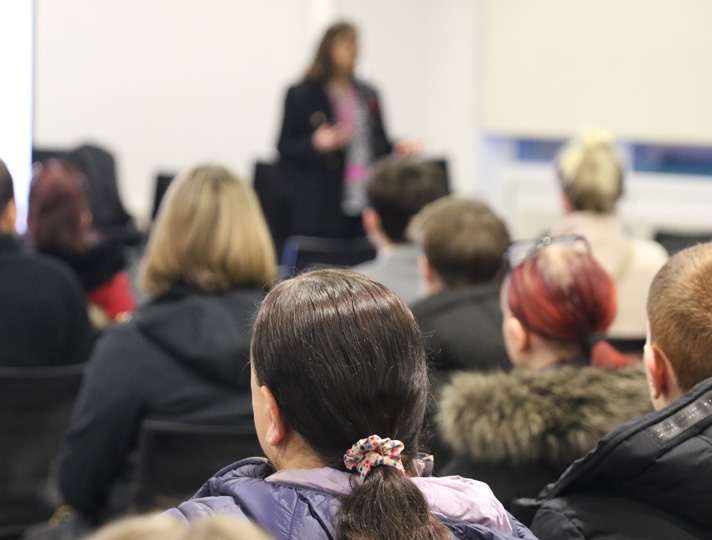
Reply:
x=183, y=357
x=518, y=431
x=43, y=316
x=647, y=480
x=305, y=109
x=463, y=329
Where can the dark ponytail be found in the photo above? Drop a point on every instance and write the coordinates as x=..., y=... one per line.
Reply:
x=345, y=360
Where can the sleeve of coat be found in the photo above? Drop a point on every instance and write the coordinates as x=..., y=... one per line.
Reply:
x=295, y=139
x=104, y=424
x=555, y=521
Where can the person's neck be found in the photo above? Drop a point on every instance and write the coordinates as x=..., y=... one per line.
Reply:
x=544, y=357
x=340, y=81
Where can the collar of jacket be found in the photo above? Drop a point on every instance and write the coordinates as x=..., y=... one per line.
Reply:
x=545, y=416
x=672, y=445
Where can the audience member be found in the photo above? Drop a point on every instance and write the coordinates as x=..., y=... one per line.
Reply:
x=337, y=363
x=43, y=320
x=397, y=190
x=519, y=431
x=651, y=478
x=59, y=225
x=184, y=355
x=591, y=176
x=462, y=242
x=152, y=527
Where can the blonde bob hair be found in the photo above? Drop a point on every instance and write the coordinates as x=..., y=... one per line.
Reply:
x=210, y=234
x=591, y=172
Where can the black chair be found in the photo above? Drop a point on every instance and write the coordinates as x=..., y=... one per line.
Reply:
x=163, y=180
x=175, y=459
x=304, y=253
x=35, y=405
x=674, y=241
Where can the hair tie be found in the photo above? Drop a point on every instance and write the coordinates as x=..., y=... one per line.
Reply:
x=374, y=451
x=593, y=339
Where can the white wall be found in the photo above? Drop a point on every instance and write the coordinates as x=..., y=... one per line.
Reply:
x=167, y=83
x=16, y=43
x=638, y=67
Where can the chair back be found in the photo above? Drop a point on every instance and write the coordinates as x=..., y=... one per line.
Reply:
x=303, y=253
x=674, y=241
x=175, y=460
x=36, y=405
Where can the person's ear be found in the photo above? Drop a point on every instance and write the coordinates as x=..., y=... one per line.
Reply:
x=518, y=334
x=276, y=428
x=9, y=218
x=566, y=204
x=371, y=220
x=659, y=372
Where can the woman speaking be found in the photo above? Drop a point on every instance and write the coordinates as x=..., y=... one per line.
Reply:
x=332, y=121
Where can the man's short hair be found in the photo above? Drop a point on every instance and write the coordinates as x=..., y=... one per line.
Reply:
x=398, y=189
x=680, y=314
x=463, y=240
x=7, y=193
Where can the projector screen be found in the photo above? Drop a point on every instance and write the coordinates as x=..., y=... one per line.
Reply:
x=16, y=72
x=640, y=68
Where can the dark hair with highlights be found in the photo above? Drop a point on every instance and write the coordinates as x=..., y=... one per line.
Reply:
x=564, y=295
x=345, y=359
x=56, y=204
x=322, y=67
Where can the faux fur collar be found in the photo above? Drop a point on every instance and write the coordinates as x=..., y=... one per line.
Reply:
x=553, y=416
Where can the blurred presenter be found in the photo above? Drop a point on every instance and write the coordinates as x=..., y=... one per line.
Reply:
x=332, y=121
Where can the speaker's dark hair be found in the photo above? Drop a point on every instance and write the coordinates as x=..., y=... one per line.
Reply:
x=322, y=67
x=345, y=359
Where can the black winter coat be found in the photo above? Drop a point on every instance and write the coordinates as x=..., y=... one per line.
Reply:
x=184, y=357
x=650, y=479
x=305, y=109
x=43, y=315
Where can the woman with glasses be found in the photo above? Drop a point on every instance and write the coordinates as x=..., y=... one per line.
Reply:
x=519, y=431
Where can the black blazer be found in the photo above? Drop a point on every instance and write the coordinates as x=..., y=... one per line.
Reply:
x=306, y=108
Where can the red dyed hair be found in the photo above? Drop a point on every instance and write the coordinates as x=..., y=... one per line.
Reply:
x=56, y=204
x=562, y=293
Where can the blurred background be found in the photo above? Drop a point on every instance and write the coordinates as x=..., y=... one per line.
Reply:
x=493, y=86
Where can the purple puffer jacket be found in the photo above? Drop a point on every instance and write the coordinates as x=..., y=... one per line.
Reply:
x=293, y=512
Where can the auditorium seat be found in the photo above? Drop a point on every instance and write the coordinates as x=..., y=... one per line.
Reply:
x=36, y=405
x=175, y=459
x=303, y=253
x=674, y=241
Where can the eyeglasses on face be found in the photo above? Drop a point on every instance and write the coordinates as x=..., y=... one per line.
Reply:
x=520, y=251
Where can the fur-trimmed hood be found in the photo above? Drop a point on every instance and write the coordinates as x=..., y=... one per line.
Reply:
x=551, y=416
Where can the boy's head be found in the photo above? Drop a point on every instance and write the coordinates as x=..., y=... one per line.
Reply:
x=8, y=211
x=463, y=242
x=397, y=190
x=678, y=354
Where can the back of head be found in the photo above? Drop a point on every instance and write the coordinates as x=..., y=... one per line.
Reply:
x=463, y=240
x=680, y=314
x=322, y=67
x=562, y=294
x=210, y=234
x=398, y=189
x=57, y=205
x=7, y=192
x=591, y=172
x=345, y=359
x=163, y=527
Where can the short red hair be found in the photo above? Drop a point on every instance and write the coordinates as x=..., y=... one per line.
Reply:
x=561, y=293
